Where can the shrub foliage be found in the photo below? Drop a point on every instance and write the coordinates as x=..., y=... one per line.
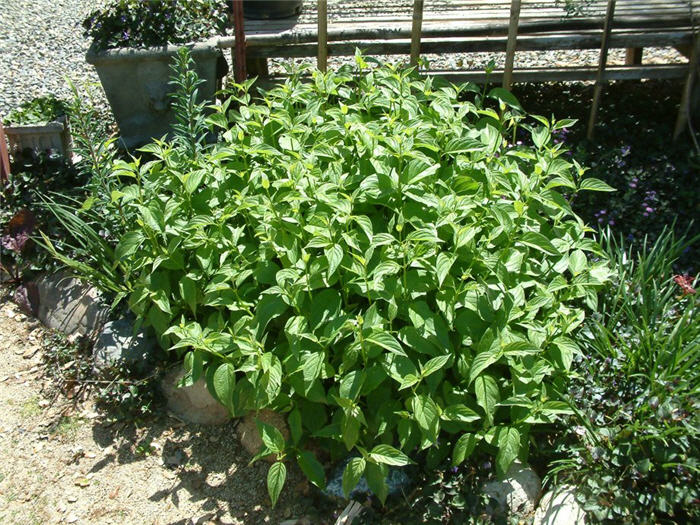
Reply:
x=365, y=252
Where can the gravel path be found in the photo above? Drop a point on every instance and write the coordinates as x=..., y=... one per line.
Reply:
x=41, y=43
x=62, y=463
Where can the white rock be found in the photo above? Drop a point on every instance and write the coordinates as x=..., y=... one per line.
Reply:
x=194, y=403
x=518, y=492
x=559, y=507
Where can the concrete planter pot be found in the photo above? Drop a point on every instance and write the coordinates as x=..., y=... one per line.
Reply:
x=51, y=137
x=136, y=82
x=271, y=9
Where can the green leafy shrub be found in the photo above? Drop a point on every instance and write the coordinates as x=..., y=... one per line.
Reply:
x=138, y=24
x=634, y=453
x=39, y=110
x=367, y=254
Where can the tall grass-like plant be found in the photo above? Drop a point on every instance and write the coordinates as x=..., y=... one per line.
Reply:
x=190, y=129
x=635, y=456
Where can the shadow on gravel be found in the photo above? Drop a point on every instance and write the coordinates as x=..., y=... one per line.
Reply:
x=206, y=466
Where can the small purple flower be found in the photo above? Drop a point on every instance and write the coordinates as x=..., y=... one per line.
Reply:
x=611, y=222
x=454, y=470
x=625, y=150
x=649, y=209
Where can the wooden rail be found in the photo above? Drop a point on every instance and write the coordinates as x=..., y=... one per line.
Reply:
x=414, y=27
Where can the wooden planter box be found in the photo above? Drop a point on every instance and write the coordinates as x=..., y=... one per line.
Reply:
x=51, y=137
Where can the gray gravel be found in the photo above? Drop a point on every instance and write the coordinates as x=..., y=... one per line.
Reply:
x=41, y=43
x=523, y=59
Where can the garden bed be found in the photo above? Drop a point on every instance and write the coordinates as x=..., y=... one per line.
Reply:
x=368, y=242
x=62, y=462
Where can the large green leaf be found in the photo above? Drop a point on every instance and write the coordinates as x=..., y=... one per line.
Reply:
x=483, y=360
x=334, y=254
x=442, y=266
x=539, y=242
x=386, y=341
x=271, y=437
x=276, y=477
x=352, y=474
x=389, y=456
x=464, y=446
x=224, y=381
x=376, y=479
x=427, y=414
x=593, y=184
x=434, y=364
x=312, y=468
x=488, y=395
x=508, y=448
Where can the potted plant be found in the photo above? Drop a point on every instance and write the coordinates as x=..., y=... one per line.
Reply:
x=39, y=126
x=133, y=45
x=264, y=9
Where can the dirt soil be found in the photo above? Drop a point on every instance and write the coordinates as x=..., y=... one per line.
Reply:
x=65, y=463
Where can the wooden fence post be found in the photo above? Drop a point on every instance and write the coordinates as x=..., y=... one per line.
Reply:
x=4, y=159
x=239, y=64
x=609, y=15
x=684, y=109
x=510, y=46
x=322, y=60
x=416, y=30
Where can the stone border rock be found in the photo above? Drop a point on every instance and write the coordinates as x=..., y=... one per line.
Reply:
x=193, y=404
x=69, y=305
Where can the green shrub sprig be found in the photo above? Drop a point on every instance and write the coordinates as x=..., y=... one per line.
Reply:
x=40, y=110
x=365, y=253
x=139, y=24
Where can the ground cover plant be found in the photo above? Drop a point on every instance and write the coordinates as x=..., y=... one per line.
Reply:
x=369, y=254
x=138, y=24
x=21, y=215
x=39, y=110
x=633, y=454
